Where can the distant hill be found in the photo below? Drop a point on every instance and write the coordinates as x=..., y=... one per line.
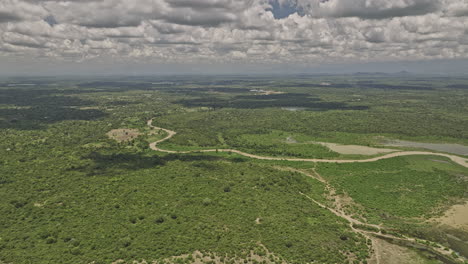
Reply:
x=400, y=73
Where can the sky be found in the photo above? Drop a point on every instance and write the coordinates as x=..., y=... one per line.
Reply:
x=42, y=37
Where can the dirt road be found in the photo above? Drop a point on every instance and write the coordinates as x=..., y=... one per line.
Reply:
x=352, y=222
x=363, y=228
x=154, y=146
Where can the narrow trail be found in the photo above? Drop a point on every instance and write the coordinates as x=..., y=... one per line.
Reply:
x=374, y=257
x=154, y=146
x=337, y=203
x=356, y=226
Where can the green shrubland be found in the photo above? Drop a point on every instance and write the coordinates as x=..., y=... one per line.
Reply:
x=70, y=194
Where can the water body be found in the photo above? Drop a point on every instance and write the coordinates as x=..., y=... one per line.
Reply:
x=21, y=84
x=355, y=149
x=449, y=148
x=294, y=109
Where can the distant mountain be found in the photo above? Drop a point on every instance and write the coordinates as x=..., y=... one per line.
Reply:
x=369, y=73
x=403, y=73
x=400, y=73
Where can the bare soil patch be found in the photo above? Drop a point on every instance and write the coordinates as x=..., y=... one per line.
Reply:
x=456, y=216
x=123, y=134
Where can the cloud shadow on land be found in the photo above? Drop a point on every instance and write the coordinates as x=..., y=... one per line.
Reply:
x=32, y=109
x=108, y=164
x=266, y=101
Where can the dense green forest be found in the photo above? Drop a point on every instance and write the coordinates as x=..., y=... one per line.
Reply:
x=71, y=194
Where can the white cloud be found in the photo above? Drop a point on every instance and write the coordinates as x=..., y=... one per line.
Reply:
x=234, y=30
x=15, y=10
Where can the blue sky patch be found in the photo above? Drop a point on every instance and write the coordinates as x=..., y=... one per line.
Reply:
x=282, y=11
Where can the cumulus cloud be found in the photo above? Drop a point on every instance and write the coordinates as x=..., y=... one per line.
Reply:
x=15, y=10
x=456, y=7
x=368, y=9
x=234, y=30
x=8, y=16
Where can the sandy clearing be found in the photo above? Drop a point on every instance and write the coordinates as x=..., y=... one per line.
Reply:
x=456, y=216
x=123, y=134
x=459, y=160
x=355, y=149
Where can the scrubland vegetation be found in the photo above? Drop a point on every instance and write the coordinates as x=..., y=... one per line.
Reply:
x=69, y=193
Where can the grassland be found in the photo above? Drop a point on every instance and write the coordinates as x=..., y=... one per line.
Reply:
x=402, y=187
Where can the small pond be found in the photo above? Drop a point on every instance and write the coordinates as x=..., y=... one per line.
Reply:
x=449, y=148
x=294, y=109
